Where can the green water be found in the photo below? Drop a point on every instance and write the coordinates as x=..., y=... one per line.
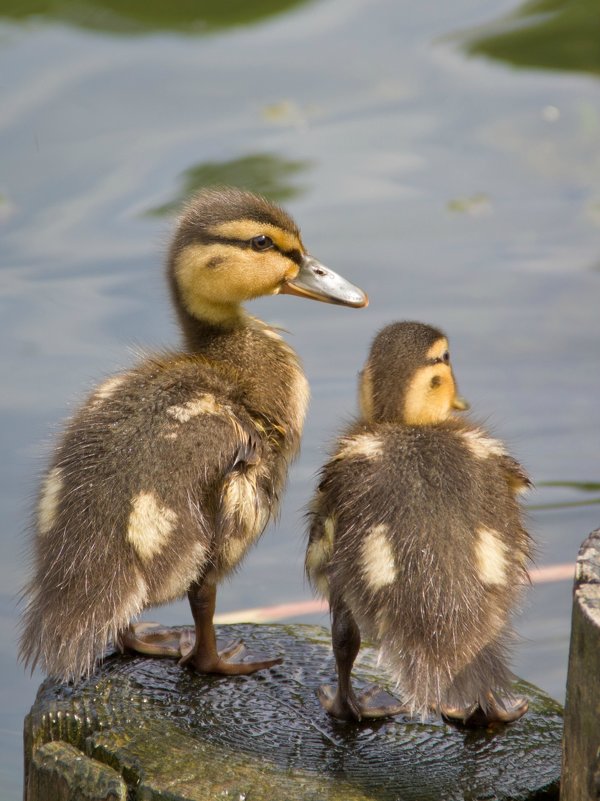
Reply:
x=446, y=157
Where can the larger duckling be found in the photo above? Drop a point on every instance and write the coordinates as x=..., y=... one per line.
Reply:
x=416, y=539
x=171, y=470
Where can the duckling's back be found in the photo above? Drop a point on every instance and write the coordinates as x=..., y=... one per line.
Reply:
x=417, y=530
x=166, y=474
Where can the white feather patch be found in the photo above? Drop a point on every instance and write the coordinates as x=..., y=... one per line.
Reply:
x=378, y=559
x=491, y=558
x=481, y=445
x=365, y=445
x=108, y=388
x=49, y=500
x=202, y=404
x=150, y=524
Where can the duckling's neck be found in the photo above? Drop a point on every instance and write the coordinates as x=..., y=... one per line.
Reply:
x=197, y=331
x=267, y=368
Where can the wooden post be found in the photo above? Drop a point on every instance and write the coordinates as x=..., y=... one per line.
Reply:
x=581, y=739
x=149, y=729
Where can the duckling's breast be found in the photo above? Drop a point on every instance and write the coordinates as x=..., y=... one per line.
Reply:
x=271, y=378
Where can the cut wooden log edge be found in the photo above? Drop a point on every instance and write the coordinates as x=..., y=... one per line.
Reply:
x=168, y=733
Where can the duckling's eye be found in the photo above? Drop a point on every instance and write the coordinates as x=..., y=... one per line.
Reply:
x=435, y=382
x=443, y=359
x=261, y=242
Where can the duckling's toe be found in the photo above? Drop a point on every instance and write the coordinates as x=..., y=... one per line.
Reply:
x=153, y=639
x=377, y=703
x=231, y=650
x=226, y=661
x=474, y=716
x=205, y=663
x=372, y=703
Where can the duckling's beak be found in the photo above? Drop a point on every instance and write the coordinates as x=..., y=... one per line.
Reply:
x=460, y=404
x=318, y=282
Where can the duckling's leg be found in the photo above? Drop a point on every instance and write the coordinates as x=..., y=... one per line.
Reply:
x=475, y=716
x=344, y=703
x=203, y=656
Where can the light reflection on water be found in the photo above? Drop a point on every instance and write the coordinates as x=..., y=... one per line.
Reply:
x=457, y=191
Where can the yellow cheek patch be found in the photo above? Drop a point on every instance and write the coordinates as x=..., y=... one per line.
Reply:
x=49, y=500
x=150, y=525
x=424, y=403
x=215, y=279
x=246, y=230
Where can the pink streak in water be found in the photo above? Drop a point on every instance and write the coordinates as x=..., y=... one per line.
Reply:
x=269, y=614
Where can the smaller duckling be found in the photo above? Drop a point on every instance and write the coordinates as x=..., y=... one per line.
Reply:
x=417, y=541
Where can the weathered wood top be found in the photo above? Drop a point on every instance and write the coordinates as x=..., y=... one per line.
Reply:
x=172, y=734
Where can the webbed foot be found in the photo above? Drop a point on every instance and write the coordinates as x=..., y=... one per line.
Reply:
x=372, y=703
x=206, y=662
x=475, y=716
x=153, y=639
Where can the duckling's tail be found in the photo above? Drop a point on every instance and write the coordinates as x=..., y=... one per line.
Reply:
x=443, y=633
x=430, y=677
x=71, y=617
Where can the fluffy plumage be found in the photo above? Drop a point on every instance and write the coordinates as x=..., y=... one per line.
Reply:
x=170, y=471
x=416, y=532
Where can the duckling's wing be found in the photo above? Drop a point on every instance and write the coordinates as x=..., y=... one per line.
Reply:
x=517, y=478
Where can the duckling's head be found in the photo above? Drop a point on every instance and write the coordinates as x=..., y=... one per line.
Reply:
x=408, y=377
x=231, y=246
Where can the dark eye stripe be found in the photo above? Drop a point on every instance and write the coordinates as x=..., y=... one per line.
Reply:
x=294, y=255
x=211, y=239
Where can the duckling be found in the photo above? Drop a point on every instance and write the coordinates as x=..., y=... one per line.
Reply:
x=417, y=541
x=172, y=469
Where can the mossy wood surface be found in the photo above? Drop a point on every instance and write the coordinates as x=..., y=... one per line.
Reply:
x=581, y=757
x=172, y=734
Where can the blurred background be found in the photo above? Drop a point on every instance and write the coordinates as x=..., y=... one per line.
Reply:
x=445, y=157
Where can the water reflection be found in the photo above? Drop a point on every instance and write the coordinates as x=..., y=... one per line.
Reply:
x=265, y=173
x=581, y=486
x=548, y=34
x=146, y=16
x=458, y=191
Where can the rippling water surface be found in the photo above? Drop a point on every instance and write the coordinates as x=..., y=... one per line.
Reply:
x=444, y=157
